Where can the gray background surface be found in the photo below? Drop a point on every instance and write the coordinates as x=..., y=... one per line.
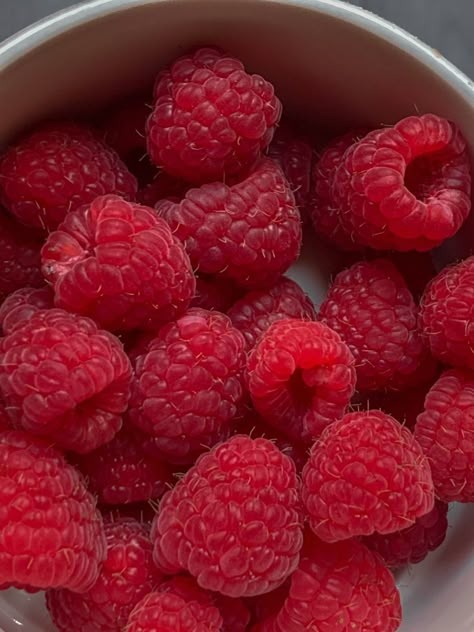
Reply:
x=447, y=25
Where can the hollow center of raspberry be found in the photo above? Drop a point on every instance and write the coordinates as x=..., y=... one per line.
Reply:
x=422, y=176
x=301, y=393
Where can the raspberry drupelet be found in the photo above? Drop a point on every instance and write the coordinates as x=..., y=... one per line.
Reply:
x=20, y=306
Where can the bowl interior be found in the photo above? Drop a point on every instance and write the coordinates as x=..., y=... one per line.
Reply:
x=333, y=68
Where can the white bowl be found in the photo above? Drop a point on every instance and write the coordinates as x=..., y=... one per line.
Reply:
x=331, y=63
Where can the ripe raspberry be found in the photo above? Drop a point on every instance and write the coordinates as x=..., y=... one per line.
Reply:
x=168, y=612
x=301, y=377
x=118, y=263
x=215, y=293
x=447, y=315
x=20, y=262
x=366, y=473
x=412, y=545
x=123, y=128
x=188, y=385
x=127, y=575
x=66, y=379
x=343, y=587
x=211, y=119
x=371, y=308
x=445, y=431
x=162, y=187
x=121, y=472
x=256, y=311
x=22, y=304
x=51, y=534
x=405, y=187
x=294, y=154
x=249, y=232
x=233, y=521
x=55, y=170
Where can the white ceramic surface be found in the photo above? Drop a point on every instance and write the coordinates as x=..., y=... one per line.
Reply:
x=333, y=64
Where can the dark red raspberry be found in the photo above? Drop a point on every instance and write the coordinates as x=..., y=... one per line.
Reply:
x=249, y=232
x=22, y=304
x=294, y=153
x=118, y=263
x=162, y=187
x=301, y=377
x=51, y=534
x=215, y=293
x=55, y=170
x=405, y=187
x=20, y=261
x=447, y=315
x=325, y=214
x=127, y=575
x=168, y=612
x=211, y=119
x=417, y=268
x=404, y=407
x=5, y=422
x=121, y=472
x=143, y=512
x=371, y=308
x=123, y=128
x=445, y=431
x=412, y=545
x=188, y=385
x=66, y=379
x=344, y=587
x=366, y=474
x=265, y=607
x=256, y=311
x=233, y=521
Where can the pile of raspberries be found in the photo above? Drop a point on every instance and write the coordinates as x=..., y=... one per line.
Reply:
x=187, y=444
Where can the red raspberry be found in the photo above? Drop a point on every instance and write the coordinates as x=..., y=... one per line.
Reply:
x=366, y=473
x=301, y=377
x=371, y=308
x=51, y=534
x=215, y=293
x=55, y=170
x=447, y=315
x=412, y=545
x=121, y=472
x=22, y=304
x=143, y=512
x=168, y=612
x=123, y=128
x=256, y=311
x=343, y=587
x=65, y=378
x=211, y=119
x=127, y=575
x=294, y=154
x=118, y=263
x=20, y=261
x=405, y=187
x=188, y=385
x=445, y=431
x=162, y=187
x=233, y=521
x=249, y=232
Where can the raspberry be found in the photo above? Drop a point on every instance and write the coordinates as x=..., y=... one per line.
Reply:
x=51, y=534
x=447, y=315
x=366, y=473
x=127, y=575
x=233, y=521
x=215, y=293
x=256, y=311
x=22, y=304
x=121, y=472
x=301, y=377
x=168, y=612
x=249, y=232
x=371, y=308
x=412, y=545
x=55, y=170
x=445, y=431
x=405, y=187
x=5, y=422
x=188, y=385
x=65, y=378
x=211, y=119
x=162, y=187
x=118, y=263
x=342, y=587
x=294, y=154
x=20, y=262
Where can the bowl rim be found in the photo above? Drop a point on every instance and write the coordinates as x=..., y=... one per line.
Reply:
x=26, y=40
